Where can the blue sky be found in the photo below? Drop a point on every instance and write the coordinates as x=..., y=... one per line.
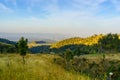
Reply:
x=75, y=17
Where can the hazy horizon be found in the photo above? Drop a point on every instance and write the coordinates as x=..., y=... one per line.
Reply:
x=33, y=36
x=68, y=17
x=42, y=36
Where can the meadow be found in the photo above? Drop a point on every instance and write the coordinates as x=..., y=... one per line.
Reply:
x=37, y=67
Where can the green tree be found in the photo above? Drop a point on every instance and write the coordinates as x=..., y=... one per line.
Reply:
x=22, y=47
x=77, y=51
x=68, y=55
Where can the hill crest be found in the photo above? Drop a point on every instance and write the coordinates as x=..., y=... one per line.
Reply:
x=77, y=40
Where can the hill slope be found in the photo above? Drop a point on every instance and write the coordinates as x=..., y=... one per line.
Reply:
x=2, y=40
x=7, y=46
x=77, y=40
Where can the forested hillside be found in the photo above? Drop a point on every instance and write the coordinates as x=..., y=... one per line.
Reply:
x=7, y=46
x=2, y=40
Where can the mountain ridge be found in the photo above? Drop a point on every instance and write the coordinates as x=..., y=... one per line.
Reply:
x=78, y=40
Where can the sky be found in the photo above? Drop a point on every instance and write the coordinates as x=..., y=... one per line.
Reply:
x=74, y=17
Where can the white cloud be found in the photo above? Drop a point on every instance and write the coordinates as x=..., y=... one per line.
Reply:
x=80, y=7
x=88, y=6
x=4, y=8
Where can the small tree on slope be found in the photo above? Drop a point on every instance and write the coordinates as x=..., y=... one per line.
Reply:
x=22, y=47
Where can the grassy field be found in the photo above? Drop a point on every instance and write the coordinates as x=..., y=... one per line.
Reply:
x=37, y=67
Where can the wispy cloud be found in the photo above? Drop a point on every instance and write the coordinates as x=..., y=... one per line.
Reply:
x=4, y=8
x=116, y=4
x=89, y=2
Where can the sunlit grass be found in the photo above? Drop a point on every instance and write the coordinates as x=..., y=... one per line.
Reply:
x=37, y=67
x=111, y=56
x=34, y=44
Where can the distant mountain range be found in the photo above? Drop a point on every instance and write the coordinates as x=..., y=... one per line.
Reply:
x=33, y=36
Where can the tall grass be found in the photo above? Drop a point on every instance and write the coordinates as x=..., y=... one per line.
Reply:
x=37, y=67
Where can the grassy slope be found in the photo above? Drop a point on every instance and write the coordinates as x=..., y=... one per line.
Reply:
x=37, y=67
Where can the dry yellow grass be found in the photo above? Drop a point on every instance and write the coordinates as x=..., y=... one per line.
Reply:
x=37, y=67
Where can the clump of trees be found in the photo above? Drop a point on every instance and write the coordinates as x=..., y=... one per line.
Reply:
x=109, y=43
x=68, y=55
